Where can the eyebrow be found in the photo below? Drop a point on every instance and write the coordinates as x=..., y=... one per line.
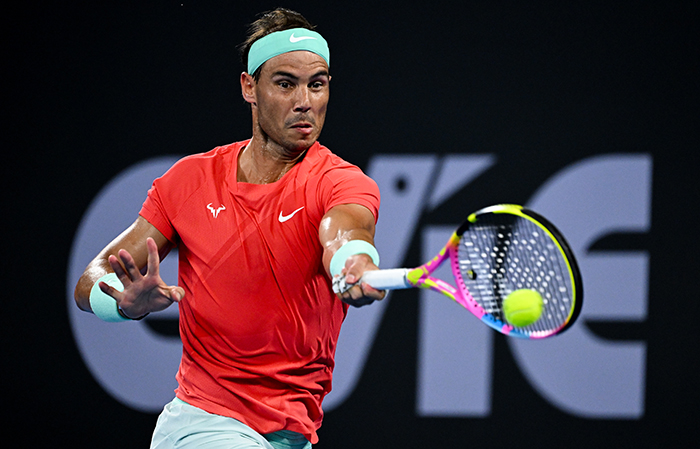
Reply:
x=282, y=73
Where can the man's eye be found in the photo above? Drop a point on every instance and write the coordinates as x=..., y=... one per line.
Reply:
x=285, y=84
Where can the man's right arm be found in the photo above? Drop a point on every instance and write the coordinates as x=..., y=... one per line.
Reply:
x=132, y=241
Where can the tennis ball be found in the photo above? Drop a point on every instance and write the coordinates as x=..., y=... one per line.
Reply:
x=523, y=307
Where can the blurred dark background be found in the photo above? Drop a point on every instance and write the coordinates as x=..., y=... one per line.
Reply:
x=92, y=88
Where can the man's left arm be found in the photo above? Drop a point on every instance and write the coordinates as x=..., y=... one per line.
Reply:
x=350, y=224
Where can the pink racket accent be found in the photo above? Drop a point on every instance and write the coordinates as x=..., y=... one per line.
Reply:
x=420, y=277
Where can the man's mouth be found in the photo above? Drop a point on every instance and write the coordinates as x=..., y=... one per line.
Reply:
x=303, y=127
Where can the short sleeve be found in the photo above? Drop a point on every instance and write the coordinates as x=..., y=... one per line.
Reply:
x=349, y=185
x=154, y=211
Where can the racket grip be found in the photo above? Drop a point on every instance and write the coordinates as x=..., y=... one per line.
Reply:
x=391, y=279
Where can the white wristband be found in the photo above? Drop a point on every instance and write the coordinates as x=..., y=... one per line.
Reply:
x=350, y=249
x=103, y=305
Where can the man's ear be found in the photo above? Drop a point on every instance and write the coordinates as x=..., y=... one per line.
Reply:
x=248, y=88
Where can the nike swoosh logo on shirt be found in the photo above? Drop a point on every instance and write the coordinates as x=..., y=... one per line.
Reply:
x=293, y=39
x=283, y=218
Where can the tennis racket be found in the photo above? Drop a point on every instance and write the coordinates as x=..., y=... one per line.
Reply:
x=496, y=251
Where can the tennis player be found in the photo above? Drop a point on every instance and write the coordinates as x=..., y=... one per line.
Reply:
x=260, y=225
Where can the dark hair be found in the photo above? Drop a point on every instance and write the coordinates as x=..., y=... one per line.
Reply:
x=279, y=19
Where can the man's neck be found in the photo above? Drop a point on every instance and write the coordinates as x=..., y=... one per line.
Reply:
x=265, y=162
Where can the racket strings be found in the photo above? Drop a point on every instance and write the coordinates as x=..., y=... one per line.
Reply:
x=503, y=253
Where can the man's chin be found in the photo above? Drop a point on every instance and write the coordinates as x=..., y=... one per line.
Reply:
x=304, y=144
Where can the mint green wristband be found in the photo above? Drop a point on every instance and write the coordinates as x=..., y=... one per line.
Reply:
x=350, y=249
x=104, y=306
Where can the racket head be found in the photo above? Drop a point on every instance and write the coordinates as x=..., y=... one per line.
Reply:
x=506, y=247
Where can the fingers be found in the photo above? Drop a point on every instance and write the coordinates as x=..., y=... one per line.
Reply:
x=177, y=293
x=125, y=267
x=355, y=292
x=364, y=290
x=153, y=257
x=356, y=265
x=129, y=264
x=356, y=296
x=145, y=292
x=118, y=269
x=111, y=291
x=372, y=292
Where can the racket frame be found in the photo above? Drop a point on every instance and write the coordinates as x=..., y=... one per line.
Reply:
x=421, y=276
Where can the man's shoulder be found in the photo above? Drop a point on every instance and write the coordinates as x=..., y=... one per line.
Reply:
x=323, y=158
x=199, y=169
x=213, y=155
x=206, y=162
x=333, y=169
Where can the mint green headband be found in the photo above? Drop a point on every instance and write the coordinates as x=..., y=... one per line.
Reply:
x=279, y=42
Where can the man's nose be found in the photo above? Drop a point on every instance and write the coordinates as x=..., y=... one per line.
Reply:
x=303, y=100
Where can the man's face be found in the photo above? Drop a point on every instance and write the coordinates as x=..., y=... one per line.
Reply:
x=291, y=96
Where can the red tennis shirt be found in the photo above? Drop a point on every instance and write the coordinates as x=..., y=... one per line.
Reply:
x=259, y=322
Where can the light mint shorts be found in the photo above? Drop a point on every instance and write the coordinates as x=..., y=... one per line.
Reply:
x=182, y=426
